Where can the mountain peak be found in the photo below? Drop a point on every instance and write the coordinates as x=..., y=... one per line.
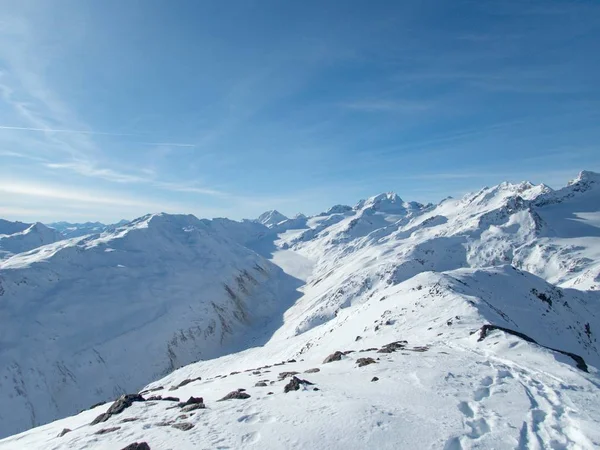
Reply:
x=585, y=176
x=270, y=218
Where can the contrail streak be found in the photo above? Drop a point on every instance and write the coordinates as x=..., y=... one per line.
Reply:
x=55, y=130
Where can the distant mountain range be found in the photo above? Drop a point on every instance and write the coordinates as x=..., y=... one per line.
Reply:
x=472, y=323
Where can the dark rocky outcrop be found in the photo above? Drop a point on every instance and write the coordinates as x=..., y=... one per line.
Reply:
x=122, y=403
x=483, y=332
x=191, y=401
x=193, y=407
x=107, y=430
x=63, y=432
x=365, y=361
x=129, y=419
x=137, y=446
x=284, y=375
x=295, y=384
x=314, y=370
x=184, y=426
x=392, y=347
x=164, y=399
x=374, y=379
x=238, y=395
x=261, y=384
x=337, y=356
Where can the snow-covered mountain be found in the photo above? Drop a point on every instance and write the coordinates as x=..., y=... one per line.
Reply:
x=18, y=237
x=468, y=324
x=271, y=218
x=70, y=230
x=119, y=309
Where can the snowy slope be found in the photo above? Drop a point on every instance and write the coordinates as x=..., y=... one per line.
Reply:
x=443, y=389
x=497, y=295
x=116, y=310
x=25, y=237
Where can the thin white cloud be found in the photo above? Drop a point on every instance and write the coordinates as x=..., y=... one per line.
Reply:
x=58, y=130
x=89, y=170
x=70, y=194
x=384, y=105
x=166, y=144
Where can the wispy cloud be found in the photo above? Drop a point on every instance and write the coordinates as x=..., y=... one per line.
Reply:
x=382, y=105
x=89, y=170
x=74, y=194
x=166, y=144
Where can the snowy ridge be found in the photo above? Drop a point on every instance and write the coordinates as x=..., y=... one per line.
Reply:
x=70, y=230
x=468, y=324
x=22, y=237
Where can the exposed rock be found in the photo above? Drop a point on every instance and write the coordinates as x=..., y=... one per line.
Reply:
x=123, y=402
x=284, y=375
x=256, y=372
x=337, y=356
x=295, y=384
x=184, y=382
x=182, y=416
x=192, y=407
x=107, y=430
x=269, y=393
x=63, y=432
x=184, y=426
x=239, y=395
x=365, y=361
x=580, y=362
x=316, y=389
x=374, y=379
x=164, y=423
x=137, y=446
x=357, y=338
x=164, y=399
x=191, y=401
x=291, y=360
x=129, y=419
x=261, y=384
x=234, y=373
x=392, y=347
x=372, y=349
x=314, y=370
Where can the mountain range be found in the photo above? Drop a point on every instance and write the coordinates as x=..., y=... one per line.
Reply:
x=471, y=323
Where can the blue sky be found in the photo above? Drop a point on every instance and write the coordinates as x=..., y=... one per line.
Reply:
x=112, y=109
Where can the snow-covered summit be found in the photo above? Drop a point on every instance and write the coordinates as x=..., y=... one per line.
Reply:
x=270, y=218
x=28, y=237
x=388, y=203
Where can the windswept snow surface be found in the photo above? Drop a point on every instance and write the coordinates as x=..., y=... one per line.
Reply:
x=520, y=257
